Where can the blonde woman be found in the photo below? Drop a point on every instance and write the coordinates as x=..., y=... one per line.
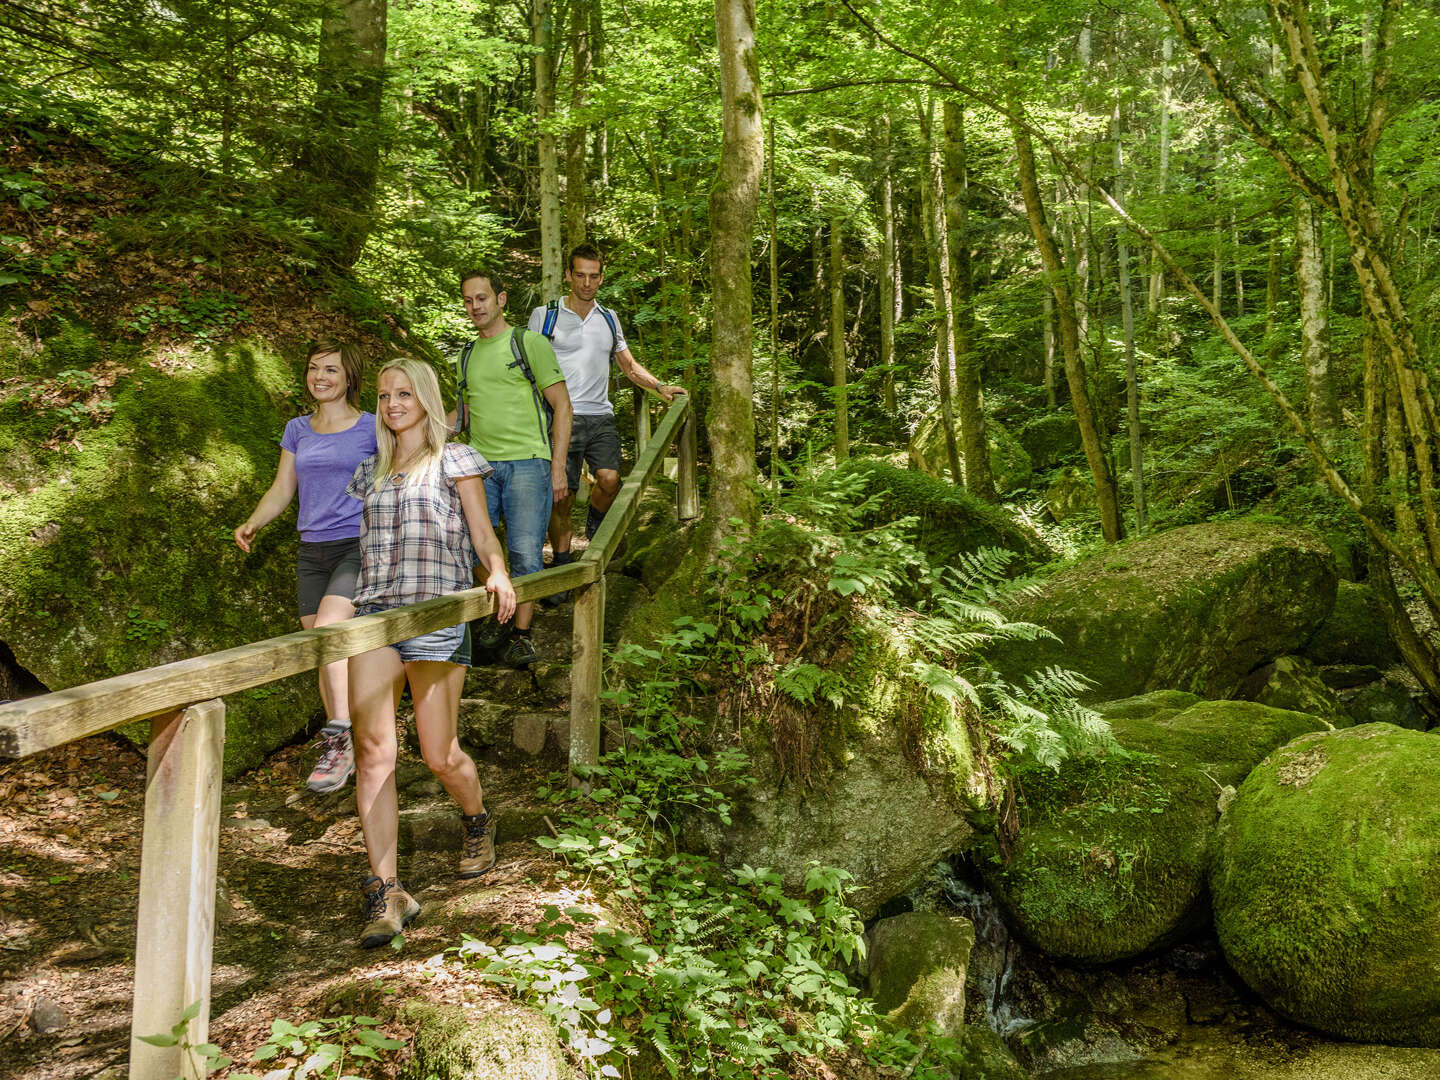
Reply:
x=318, y=455
x=425, y=520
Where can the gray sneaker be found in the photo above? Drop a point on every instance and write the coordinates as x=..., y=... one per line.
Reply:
x=336, y=764
x=388, y=910
x=520, y=653
x=477, y=849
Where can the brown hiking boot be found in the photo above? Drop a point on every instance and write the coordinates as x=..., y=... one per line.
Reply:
x=477, y=850
x=388, y=910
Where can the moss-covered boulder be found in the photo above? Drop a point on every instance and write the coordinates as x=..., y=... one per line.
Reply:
x=1326, y=896
x=1195, y=608
x=951, y=520
x=1070, y=493
x=118, y=547
x=1113, y=849
x=504, y=1041
x=1355, y=631
x=1010, y=466
x=1292, y=682
x=918, y=962
x=1388, y=701
x=1051, y=439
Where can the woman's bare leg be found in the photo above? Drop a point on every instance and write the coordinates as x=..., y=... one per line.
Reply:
x=435, y=688
x=376, y=681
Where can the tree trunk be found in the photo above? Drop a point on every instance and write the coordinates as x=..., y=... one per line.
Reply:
x=774, y=314
x=542, y=33
x=1132, y=371
x=887, y=271
x=576, y=133
x=1052, y=399
x=969, y=394
x=733, y=201
x=837, y=318
x=1157, y=268
x=341, y=160
x=1111, y=526
x=932, y=207
x=1323, y=407
x=600, y=142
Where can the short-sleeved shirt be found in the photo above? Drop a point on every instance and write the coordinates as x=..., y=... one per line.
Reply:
x=506, y=422
x=324, y=463
x=415, y=543
x=583, y=348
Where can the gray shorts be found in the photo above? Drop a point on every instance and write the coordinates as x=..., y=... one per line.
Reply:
x=596, y=440
x=326, y=568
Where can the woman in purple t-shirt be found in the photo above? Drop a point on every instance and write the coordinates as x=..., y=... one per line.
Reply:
x=318, y=455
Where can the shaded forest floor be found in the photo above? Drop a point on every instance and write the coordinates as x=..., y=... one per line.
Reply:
x=288, y=907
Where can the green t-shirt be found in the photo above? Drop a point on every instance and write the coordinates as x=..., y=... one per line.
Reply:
x=506, y=422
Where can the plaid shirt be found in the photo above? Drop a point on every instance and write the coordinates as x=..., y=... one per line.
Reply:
x=414, y=540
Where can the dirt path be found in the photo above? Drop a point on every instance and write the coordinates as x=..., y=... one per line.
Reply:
x=290, y=866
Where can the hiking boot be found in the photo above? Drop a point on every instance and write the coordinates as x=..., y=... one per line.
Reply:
x=337, y=761
x=487, y=637
x=477, y=850
x=520, y=653
x=593, y=519
x=388, y=910
x=562, y=558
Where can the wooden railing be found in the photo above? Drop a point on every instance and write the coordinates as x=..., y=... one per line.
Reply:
x=180, y=845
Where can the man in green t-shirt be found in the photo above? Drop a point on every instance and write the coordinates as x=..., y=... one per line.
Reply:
x=509, y=426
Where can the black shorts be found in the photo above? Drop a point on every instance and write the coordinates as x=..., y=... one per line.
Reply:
x=326, y=568
x=596, y=440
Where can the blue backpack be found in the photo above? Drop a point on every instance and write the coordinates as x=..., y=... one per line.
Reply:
x=552, y=315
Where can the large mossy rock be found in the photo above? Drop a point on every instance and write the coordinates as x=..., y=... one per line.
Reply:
x=1354, y=632
x=1010, y=466
x=918, y=962
x=1196, y=608
x=1326, y=894
x=507, y=1041
x=119, y=553
x=951, y=519
x=1292, y=682
x=1051, y=439
x=1113, y=848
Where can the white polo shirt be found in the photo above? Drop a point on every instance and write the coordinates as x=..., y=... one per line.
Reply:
x=583, y=347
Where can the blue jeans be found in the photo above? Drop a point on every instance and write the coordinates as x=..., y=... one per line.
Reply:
x=521, y=494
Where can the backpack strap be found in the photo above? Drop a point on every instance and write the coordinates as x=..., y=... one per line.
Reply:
x=522, y=361
x=609, y=317
x=552, y=314
x=462, y=407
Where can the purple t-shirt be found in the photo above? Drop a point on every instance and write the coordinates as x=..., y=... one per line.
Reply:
x=323, y=466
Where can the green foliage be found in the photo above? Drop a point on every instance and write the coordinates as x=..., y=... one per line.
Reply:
x=323, y=1046
x=204, y=1058
x=207, y=317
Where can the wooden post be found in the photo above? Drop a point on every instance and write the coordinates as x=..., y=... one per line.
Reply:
x=687, y=492
x=642, y=421
x=586, y=656
x=176, y=921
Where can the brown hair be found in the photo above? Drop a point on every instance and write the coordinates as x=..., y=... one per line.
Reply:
x=352, y=362
x=585, y=250
x=496, y=285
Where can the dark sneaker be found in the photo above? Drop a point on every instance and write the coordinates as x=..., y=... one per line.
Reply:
x=593, y=518
x=488, y=637
x=388, y=910
x=337, y=761
x=477, y=850
x=520, y=653
x=562, y=558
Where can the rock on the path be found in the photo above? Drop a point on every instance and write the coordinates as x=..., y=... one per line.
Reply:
x=47, y=1017
x=1113, y=850
x=1195, y=608
x=918, y=962
x=508, y=1041
x=1325, y=885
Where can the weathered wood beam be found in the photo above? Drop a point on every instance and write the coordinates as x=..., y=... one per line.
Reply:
x=587, y=656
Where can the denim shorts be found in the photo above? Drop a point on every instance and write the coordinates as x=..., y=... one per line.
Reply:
x=520, y=494
x=594, y=440
x=449, y=645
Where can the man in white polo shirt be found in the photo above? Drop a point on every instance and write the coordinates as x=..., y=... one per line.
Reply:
x=586, y=337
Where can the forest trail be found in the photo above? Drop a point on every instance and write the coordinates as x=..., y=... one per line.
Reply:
x=290, y=865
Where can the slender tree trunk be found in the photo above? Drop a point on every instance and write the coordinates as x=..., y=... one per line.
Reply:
x=837, y=318
x=1324, y=410
x=1274, y=345
x=341, y=160
x=1052, y=399
x=887, y=270
x=1217, y=234
x=600, y=140
x=969, y=393
x=1157, y=268
x=575, y=135
x=1111, y=526
x=1239, y=270
x=932, y=205
x=1132, y=370
x=733, y=201
x=775, y=352
x=542, y=32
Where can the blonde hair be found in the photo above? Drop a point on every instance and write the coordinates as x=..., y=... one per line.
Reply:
x=426, y=387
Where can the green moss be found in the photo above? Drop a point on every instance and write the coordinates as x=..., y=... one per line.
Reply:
x=508, y=1042
x=119, y=554
x=1355, y=631
x=918, y=962
x=1113, y=849
x=951, y=520
x=1326, y=898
